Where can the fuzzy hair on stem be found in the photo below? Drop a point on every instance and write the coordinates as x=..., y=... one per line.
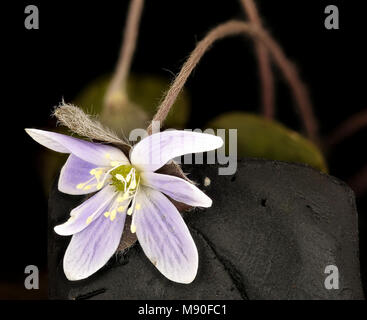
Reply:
x=233, y=28
x=85, y=125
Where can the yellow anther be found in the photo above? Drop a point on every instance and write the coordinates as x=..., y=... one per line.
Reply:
x=113, y=214
x=88, y=188
x=93, y=172
x=99, y=185
x=132, y=228
x=129, y=211
x=138, y=206
x=98, y=174
x=106, y=214
x=120, y=209
x=80, y=186
x=89, y=219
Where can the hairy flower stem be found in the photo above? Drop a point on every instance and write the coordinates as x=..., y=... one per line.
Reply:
x=116, y=92
x=266, y=75
x=232, y=28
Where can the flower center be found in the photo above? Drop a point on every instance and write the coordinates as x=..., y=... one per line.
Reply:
x=125, y=178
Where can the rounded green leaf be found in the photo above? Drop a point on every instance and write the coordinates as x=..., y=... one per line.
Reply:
x=262, y=138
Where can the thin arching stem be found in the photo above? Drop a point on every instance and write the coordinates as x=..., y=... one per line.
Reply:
x=347, y=128
x=232, y=28
x=118, y=82
x=265, y=72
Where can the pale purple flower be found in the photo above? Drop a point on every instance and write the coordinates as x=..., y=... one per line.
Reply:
x=128, y=187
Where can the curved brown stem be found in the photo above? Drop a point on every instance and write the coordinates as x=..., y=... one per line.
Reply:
x=347, y=128
x=266, y=75
x=232, y=28
x=117, y=87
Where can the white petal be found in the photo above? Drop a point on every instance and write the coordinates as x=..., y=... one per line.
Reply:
x=90, y=249
x=156, y=150
x=96, y=153
x=88, y=211
x=164, y=236
x=176, y=188
x=75, y=177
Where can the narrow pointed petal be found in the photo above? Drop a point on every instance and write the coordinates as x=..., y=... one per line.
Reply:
x=164, y=236
x=90, y=249
x=176, y=188
x=156, y=150
x=76, y=178
x=83, y=215
x=96, y=153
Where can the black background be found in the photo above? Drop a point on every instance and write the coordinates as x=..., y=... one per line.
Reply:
x=79, y=41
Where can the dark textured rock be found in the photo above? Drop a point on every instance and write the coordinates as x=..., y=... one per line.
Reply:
x=271, y=232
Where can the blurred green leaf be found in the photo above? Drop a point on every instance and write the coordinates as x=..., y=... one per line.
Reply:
x=144, y=92
x=262, y=138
